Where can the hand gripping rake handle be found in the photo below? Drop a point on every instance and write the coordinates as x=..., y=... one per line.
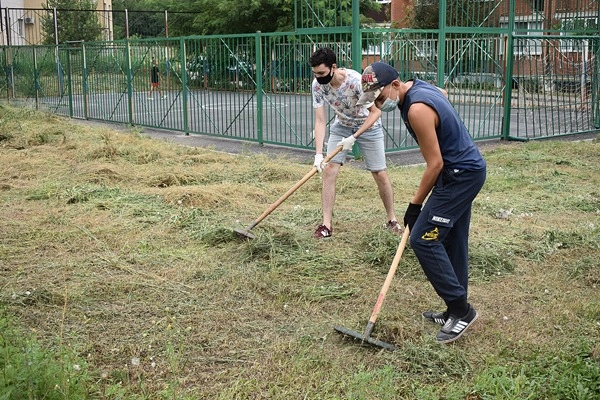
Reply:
x=287, y=194
x=387, y=283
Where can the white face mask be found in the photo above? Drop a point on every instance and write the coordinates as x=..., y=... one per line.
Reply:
x=389, y=104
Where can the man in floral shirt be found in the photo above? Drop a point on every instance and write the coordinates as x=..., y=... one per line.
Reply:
x=341, y=88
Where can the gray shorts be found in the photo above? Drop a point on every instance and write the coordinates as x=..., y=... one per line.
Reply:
x=370, y=144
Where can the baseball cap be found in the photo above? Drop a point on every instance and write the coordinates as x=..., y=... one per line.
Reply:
x=374, y=78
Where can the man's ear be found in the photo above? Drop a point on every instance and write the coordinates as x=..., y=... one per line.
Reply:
x=333, y=66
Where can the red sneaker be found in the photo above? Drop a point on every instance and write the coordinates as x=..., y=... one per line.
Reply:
x=323, y=232
x=394, y=227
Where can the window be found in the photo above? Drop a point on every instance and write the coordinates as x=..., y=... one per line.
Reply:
x=425, y=48
x=381, y=49
x=527, y=47
x=20, y=26
x=571, y=26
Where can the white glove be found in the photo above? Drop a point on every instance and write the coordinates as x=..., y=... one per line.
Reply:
x=319, y=164
x=347, y=143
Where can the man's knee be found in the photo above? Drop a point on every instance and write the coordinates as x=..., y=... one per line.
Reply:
x=331, y=170
x=380, y=176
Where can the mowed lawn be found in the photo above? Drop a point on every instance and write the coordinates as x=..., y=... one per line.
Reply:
x=120, y=273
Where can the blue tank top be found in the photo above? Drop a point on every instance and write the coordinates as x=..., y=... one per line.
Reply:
x=456, y=145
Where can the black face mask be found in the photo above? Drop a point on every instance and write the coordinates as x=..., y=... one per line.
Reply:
x=324, y=80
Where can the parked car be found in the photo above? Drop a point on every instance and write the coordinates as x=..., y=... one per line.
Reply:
x=241, y=68
x=430, y=77
x=479, y=79
x=197, y=67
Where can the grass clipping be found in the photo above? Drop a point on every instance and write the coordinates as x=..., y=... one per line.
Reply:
x=123, y=248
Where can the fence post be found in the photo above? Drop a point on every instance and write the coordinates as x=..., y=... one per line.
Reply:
x=84, y=78
x=129, y=81
x=596, y=76
x=295, y=16
x=7, y=31
x=259, y=84
x=166, y=24
x=10, y=83
x=7, y=52
x=55, y=20
x=184, y=87
x=356, y=51
x=36, y=78
x=59, y=75
x=356, y=38
x=441, y=50
x=126, y=24
x=508, y=74
x=70, y=79
x=6, y=55
x=596, y=82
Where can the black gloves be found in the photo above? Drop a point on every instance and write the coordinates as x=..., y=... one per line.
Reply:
x=411, y=215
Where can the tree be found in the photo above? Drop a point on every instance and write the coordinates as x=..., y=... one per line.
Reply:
x=328, y=14
x=211, y=17
x=146, y=18
x=215, y=17
x=75, y=20
x=424, y=14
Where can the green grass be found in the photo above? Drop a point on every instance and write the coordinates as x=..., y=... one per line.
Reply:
x=30, y=370
x=118, y=255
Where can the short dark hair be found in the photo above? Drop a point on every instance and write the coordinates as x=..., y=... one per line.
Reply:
x=324, y=55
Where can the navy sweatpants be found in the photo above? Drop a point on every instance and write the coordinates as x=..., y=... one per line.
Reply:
x=440, y=236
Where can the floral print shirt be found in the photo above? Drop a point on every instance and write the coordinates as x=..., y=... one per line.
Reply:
x=343, y=100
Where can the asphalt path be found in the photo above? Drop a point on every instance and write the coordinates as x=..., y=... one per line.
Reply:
x=238, y=147
x=287, y=118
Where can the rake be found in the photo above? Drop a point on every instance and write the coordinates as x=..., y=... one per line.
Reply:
x=246, y=232
x=365, y=337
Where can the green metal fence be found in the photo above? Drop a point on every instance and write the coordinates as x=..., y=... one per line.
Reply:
x=256, y=87
x=557, y=93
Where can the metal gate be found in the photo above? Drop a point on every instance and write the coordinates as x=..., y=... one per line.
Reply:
x=72, y=57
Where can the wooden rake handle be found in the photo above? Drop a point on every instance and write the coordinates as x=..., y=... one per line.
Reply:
x=292, y=189
x=387, y=283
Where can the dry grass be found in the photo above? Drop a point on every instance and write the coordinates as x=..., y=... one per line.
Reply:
x=123, y=248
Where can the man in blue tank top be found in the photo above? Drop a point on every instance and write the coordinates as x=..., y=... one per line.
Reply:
x=454, y=175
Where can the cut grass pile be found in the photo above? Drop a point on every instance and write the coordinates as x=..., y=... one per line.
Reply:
x=118, y=255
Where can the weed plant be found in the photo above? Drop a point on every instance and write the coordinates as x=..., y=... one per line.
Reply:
x=30, y=370
x=118, y=255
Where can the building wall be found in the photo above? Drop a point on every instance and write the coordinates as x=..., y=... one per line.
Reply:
x=17, y=24
x=531, y=57
x=24, y=21
x=400, y=9
x=41, y=3
x=13, y=3
x=31, y=4
x=399, y=12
